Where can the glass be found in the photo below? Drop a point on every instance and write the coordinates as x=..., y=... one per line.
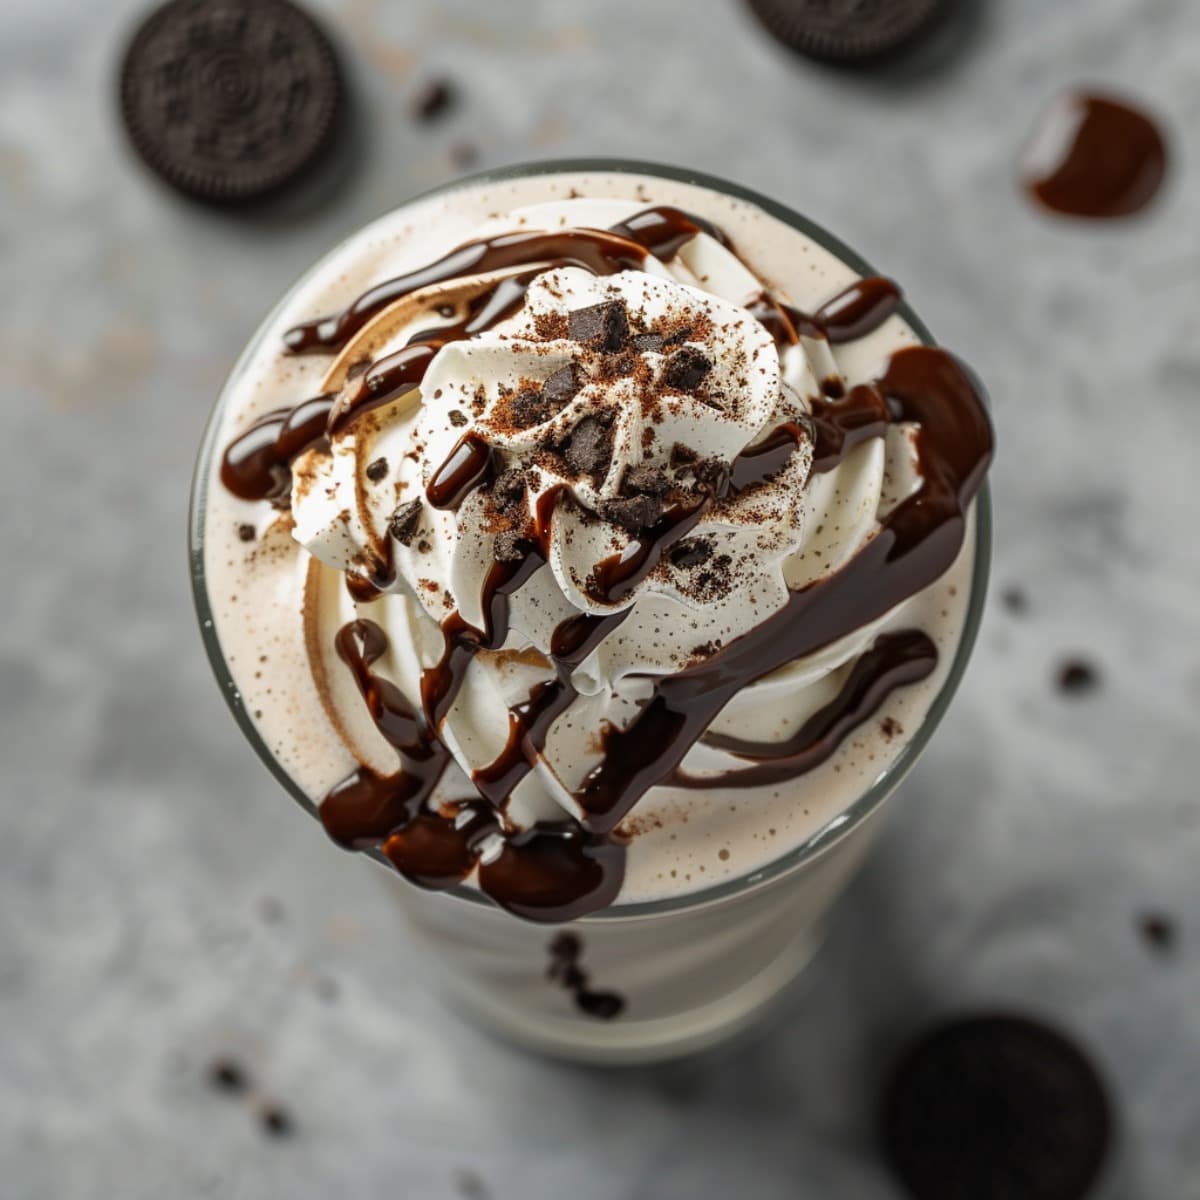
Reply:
x=694, y=968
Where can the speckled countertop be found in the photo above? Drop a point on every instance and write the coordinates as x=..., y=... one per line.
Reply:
x=162, y=904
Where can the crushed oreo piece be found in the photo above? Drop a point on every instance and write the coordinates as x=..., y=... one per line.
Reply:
x=686, y=369
x=246, y=532
x=509, y=487
x=691, y=552
x=404, y=522
x=530, y=407
x=712, y=474
x=649, y=343
x=458, y=418
x=603, y=326
x=632, y=513
x=435, y=99
x=510, y=546
x=645, y=480
x=377, y=470
x=588, y=448
x=683, y=456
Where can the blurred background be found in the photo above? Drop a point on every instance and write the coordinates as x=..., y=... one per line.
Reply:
x=200, y=997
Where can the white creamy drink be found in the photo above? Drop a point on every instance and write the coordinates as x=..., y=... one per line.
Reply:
x=593, y=546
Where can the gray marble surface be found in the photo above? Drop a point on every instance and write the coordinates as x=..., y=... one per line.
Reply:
x=161, y=903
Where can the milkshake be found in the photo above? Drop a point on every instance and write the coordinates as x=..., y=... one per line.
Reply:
x=595, y=548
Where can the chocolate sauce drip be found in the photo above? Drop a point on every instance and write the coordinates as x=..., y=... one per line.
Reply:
x=592, y=249
x=613, y=578
x=841, y=425
x=553, y=871
x=917, y=543
x=664, y=231
x=1110, y=162
x=659, y=231
x=858, y=310
x=257, y=465
x=472, y=463
x=384, y=381
x=854, y=312
x=761, y=463
x=894, y=660
x=566, y=968
x=530, y=722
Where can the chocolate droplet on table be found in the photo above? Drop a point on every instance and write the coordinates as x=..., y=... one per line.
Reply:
x=230, y=103
x=1014, y=599
x=1077, y=677
x=434, y=100
x=1158, y=930
x=998, y=1107
x=1093, y=156
x=276, y=1121
x=226, y=1075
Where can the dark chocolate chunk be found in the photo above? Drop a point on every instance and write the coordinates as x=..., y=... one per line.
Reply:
x=603, y=326
x=859, y=32
x=649, y=342
x=633, y=513
x=510, y=546
x=377, y=470
x=404, y=522
x=645, y=480
x=691, y=552
x=434, y=100
x=1077, y=677
x=230, y=102
x=563, y=386
x=246, y=532
x=458, y=418
x=1001, y=1107
x=686, y=369
x=588, y=449
x=225, y=1075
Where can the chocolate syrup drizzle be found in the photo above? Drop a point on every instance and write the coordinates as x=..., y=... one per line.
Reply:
x=558, y=871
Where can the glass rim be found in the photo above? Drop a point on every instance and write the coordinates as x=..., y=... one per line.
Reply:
x=828, y=834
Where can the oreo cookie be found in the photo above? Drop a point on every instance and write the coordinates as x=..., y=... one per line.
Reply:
x=848, y=31
x=996, y=1108
x=230, y=101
